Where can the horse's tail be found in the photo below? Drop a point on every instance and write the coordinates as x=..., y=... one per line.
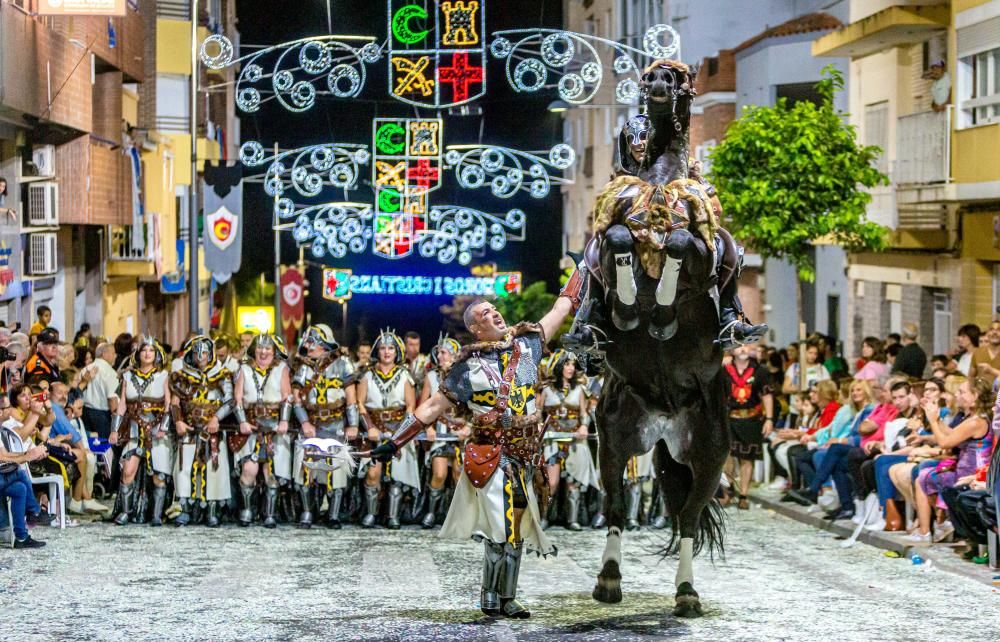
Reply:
x=675, y=484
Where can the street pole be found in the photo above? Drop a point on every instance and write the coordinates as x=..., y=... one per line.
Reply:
x=193, y=193
x=277, y=262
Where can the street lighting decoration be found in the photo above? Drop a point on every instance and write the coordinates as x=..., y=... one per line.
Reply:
x=308, y=169
x=507, y=170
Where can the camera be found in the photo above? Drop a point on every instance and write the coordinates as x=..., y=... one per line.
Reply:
x=6, y=355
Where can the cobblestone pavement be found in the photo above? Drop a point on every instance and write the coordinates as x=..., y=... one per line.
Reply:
x=781, y=580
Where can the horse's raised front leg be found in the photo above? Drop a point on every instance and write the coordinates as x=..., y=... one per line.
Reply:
x=617, y=258
x=609, y=580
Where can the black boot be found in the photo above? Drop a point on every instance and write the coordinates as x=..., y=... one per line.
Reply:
x=430, y=519
x=736, y=330
x=306, y=516
x=185, y=516
x=334, y=497
x=599, y=520
x=159, y=497
x=661, y=520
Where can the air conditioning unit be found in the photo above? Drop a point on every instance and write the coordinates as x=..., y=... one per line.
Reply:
x=43, y=204
x=42, y=253
x=44, y=159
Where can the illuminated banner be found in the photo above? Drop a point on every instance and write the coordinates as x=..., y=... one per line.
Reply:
x=342, y=284
x=437, y=57
x=255, y=318
x=406, y=168
x=81, y=7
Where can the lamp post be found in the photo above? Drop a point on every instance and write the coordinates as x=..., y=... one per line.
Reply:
x=193, y=193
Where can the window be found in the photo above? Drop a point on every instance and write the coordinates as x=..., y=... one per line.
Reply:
x=942, y=322
x=877, y=132
x=978, y=73
x=701, y=153
x=173, y=106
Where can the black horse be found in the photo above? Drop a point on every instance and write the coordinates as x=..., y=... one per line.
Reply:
x=657, y=259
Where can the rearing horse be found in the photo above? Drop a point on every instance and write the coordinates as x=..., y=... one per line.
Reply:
x=664, y=384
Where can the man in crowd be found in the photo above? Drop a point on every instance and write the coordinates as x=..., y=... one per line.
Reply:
x=416, y=363
x=100, y=399
x=41, y=367
x=364, y=355
x=912, y=359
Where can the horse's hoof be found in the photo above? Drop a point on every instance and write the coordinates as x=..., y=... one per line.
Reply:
x=609, y=584
x=686, y=602
x=663, y=333
x=624, y=323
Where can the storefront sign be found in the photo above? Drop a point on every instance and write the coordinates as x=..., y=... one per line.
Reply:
x=342, y=284
x=81, y=7
x=258, y=318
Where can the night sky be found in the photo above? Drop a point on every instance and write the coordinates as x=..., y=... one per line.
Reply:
x=520, y=121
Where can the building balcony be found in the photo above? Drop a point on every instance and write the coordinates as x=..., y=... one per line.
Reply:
x=893, y=26
x=125, y=257
x=923, y=149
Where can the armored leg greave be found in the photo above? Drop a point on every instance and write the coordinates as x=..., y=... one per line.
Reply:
x=127, y=492
x=430, y=519
x=159, y=497
x=573, y=508
x=660, y=522
x=246, y=513
x=508, y=582
x=395, y=500
x=600, y=521
x=270, y=502
x=335, y=497
x=489, y=597
x=212, y=521
x=306, y=516
x=185, y=517
x=633, y=502
x=371, y=502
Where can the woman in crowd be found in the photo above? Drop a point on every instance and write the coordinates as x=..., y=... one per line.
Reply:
x=786, y=443
x=82, y=337
x=967, y=341
x=873, y=367
x=564, y=410
x=973, y=441
x=140, y=425
x=824, y=396
x=30, y=416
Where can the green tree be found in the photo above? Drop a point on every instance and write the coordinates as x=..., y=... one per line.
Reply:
x=792, y=174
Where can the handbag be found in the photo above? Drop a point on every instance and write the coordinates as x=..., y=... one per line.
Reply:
x=64, y=455
x=7, y=467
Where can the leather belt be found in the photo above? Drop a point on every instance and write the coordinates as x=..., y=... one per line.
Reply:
x=746, y=413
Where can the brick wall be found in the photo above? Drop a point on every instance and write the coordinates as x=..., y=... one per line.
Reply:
x=94, y=183
x=72, y=168
x=724, y=76
x=147, y=90
x=126, y=55
x=107, y=101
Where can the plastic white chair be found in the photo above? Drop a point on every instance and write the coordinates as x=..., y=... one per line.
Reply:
x=57, y=494
x=10, y=523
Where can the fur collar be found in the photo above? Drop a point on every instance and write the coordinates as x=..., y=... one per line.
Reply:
x=521, y=329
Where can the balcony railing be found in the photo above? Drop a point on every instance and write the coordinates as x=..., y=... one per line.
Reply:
x=120, y=246
x=174, y=9
x=923, y=148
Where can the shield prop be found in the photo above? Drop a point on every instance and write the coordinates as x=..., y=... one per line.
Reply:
x=437, y=54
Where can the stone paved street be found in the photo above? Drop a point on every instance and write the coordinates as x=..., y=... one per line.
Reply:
x=781, y=580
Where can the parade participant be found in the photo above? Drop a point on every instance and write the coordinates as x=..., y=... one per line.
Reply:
x=224, y=346
x=750, y=412
x=594, y=388
x=564, y=410
x=638, y=472
x=141, y=425
x=385, y=396
x=443, y=452
x=326, y=407
x=364, y=354
x=418, y=364
x=630, y=152
x=263, y=392
x=496, y=379
x=201, y=395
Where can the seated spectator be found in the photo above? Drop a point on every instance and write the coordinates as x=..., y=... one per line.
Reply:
x=29, y=417
x=42, y=366
x=891, y=352
x=967, y=341
x=986, y=358
x=973, y=440
x=82, y=337
x=873, y=367
x=65, y=432
x=13, y=485
x=940, y=362
x=785, y=443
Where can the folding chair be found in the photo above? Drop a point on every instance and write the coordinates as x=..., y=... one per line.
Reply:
x=57, y=494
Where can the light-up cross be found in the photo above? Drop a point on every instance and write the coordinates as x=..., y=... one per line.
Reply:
x=423, y=175
x=460, y=75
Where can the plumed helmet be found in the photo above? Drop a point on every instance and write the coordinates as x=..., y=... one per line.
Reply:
x=267, y=341
x=556, y=362
x=160, y=358
x=318, y=333
x=388, y=337
x=445, y=343
x=195, y=346
x=635, y=131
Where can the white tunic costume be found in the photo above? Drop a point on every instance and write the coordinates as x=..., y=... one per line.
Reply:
x=323, y=386
x=385, y=401
x=262, y=400
x=561, y=409
x=145, y=407
x=201, y=469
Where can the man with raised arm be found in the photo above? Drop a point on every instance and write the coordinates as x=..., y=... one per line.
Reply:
x=495, y=501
